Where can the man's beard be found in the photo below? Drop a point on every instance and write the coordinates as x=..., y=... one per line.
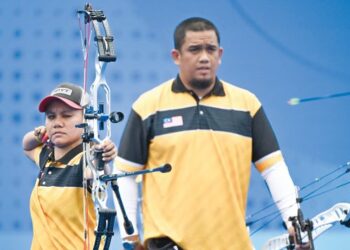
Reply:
x=200, y=84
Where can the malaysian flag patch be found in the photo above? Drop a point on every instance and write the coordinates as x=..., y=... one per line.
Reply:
x=174, y=121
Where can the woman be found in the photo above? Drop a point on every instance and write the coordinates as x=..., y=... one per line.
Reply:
x=57, y=200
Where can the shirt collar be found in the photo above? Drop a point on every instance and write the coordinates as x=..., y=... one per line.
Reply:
x=178, y=87
x=70, y=155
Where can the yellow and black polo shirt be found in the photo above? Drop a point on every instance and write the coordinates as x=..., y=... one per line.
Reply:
x=210, y=143
x=56, y=202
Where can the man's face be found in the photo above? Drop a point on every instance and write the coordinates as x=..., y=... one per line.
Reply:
x=60, y=124
x=198, y=58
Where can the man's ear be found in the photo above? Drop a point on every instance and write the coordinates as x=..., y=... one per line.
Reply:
x=221, y=51
x=175, y=54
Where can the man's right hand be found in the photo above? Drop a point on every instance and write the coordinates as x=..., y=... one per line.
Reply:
x=303, y=246
x=132, y=243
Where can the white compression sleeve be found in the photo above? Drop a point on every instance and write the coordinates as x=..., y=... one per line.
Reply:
x=128, y=192
x=282, y=190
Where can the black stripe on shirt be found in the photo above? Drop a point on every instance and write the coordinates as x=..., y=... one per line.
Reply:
x=69, y=176
x=201, y=117
x=140, y=132
x=264, y=139
x=135, y=133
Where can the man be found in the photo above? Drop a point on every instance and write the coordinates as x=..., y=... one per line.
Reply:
x=210, y=132
x=57, y=201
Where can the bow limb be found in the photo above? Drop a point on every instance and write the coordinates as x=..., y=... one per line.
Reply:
x=321, y=223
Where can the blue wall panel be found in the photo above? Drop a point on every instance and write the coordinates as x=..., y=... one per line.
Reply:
x=277, y=49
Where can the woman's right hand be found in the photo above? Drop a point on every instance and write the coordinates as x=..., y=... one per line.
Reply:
x=40, y=134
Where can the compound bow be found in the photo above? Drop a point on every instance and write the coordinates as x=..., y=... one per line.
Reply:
x=339, y=213
x=96, y=114
x=308, y=230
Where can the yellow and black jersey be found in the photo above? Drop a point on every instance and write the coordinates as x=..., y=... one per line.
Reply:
x=210, y=143
x=56, y=202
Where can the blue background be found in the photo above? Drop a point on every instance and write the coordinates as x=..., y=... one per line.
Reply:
x=276, y=49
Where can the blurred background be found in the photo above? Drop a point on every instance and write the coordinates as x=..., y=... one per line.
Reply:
x=276, y=49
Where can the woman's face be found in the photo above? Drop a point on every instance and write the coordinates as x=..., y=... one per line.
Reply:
x=61, y=121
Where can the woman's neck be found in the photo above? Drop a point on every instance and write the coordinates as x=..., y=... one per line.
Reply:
x=59, y=152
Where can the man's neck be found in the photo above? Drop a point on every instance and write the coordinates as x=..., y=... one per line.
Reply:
x=199, y=92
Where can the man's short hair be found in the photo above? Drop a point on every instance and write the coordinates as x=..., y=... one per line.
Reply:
x=192, y=24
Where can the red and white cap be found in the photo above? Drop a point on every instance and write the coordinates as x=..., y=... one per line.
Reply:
x=69, y=93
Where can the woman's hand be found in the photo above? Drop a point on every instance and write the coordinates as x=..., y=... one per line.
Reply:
x=39, y=133
x=108, y=148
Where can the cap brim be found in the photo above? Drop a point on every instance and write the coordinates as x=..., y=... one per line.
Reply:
x=46, y=101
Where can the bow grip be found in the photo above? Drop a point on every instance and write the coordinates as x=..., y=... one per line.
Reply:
x=100, y=164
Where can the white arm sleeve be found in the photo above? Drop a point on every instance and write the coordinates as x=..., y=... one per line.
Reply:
x=128, y=192
x=282, y=190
